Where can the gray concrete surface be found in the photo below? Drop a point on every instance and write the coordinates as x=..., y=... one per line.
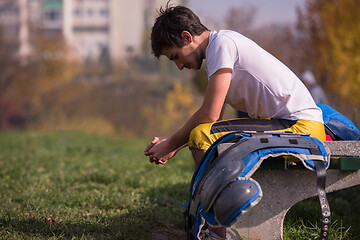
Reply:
x=281, y=190
x=344, y=148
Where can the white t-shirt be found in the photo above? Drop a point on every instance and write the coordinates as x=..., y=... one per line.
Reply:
x=261, y=85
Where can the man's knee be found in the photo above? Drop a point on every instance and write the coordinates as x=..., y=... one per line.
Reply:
x=200, y=137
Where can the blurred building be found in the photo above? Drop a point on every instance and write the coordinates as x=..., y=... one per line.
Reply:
x=91, y=27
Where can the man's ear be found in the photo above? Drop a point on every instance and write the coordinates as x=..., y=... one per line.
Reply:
x=187, y=37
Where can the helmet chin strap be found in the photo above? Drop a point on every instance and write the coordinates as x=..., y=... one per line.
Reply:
x=325, y=208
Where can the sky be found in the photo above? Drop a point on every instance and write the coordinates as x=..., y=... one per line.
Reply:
x=268, y=11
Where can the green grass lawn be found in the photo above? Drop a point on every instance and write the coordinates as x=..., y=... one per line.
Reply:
x=73, y=185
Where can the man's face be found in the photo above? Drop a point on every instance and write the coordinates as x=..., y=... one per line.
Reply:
x=184, y=57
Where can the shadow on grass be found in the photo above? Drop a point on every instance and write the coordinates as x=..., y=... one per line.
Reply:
x=344, y=205
x=159, y=216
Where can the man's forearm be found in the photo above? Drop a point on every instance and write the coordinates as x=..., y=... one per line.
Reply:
x=181, y=137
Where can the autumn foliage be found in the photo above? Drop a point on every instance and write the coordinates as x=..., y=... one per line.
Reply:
x=331, y=34
x=54, y=91
x=147, y=97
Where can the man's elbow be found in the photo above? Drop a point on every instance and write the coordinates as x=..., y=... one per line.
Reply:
x=212, y=117
x=208, y=116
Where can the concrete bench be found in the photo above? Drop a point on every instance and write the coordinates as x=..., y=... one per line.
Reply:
x=285, y=184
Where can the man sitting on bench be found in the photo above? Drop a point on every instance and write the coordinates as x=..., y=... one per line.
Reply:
x=274, y=97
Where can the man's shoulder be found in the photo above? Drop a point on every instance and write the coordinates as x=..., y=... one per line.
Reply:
x=226, y=34
x=222, y=37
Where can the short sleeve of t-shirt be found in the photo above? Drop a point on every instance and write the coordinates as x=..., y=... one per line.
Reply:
x=221, y=54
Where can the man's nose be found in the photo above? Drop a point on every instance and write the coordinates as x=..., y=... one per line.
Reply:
x=179, y=65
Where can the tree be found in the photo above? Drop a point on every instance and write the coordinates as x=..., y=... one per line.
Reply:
x=330, y=31
x=49, y=68
x=8, y=68
x=241, y=19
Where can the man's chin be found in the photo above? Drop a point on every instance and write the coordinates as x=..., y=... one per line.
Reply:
x=198, y=66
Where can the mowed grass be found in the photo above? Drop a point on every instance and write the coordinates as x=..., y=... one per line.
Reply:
x=73, y=185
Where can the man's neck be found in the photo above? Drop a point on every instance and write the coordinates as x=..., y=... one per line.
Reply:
x=202, y=41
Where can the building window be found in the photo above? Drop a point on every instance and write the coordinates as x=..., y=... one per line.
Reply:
x=9, y=12
x=90, y=12
x=78, y=12
x=53, y=16
x=104, y=12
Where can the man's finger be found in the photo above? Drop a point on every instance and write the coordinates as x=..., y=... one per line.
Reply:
x=155, y=140
x=146, y=151
x=154, y=159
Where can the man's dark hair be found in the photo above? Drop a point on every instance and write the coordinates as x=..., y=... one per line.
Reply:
x=169, y=25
